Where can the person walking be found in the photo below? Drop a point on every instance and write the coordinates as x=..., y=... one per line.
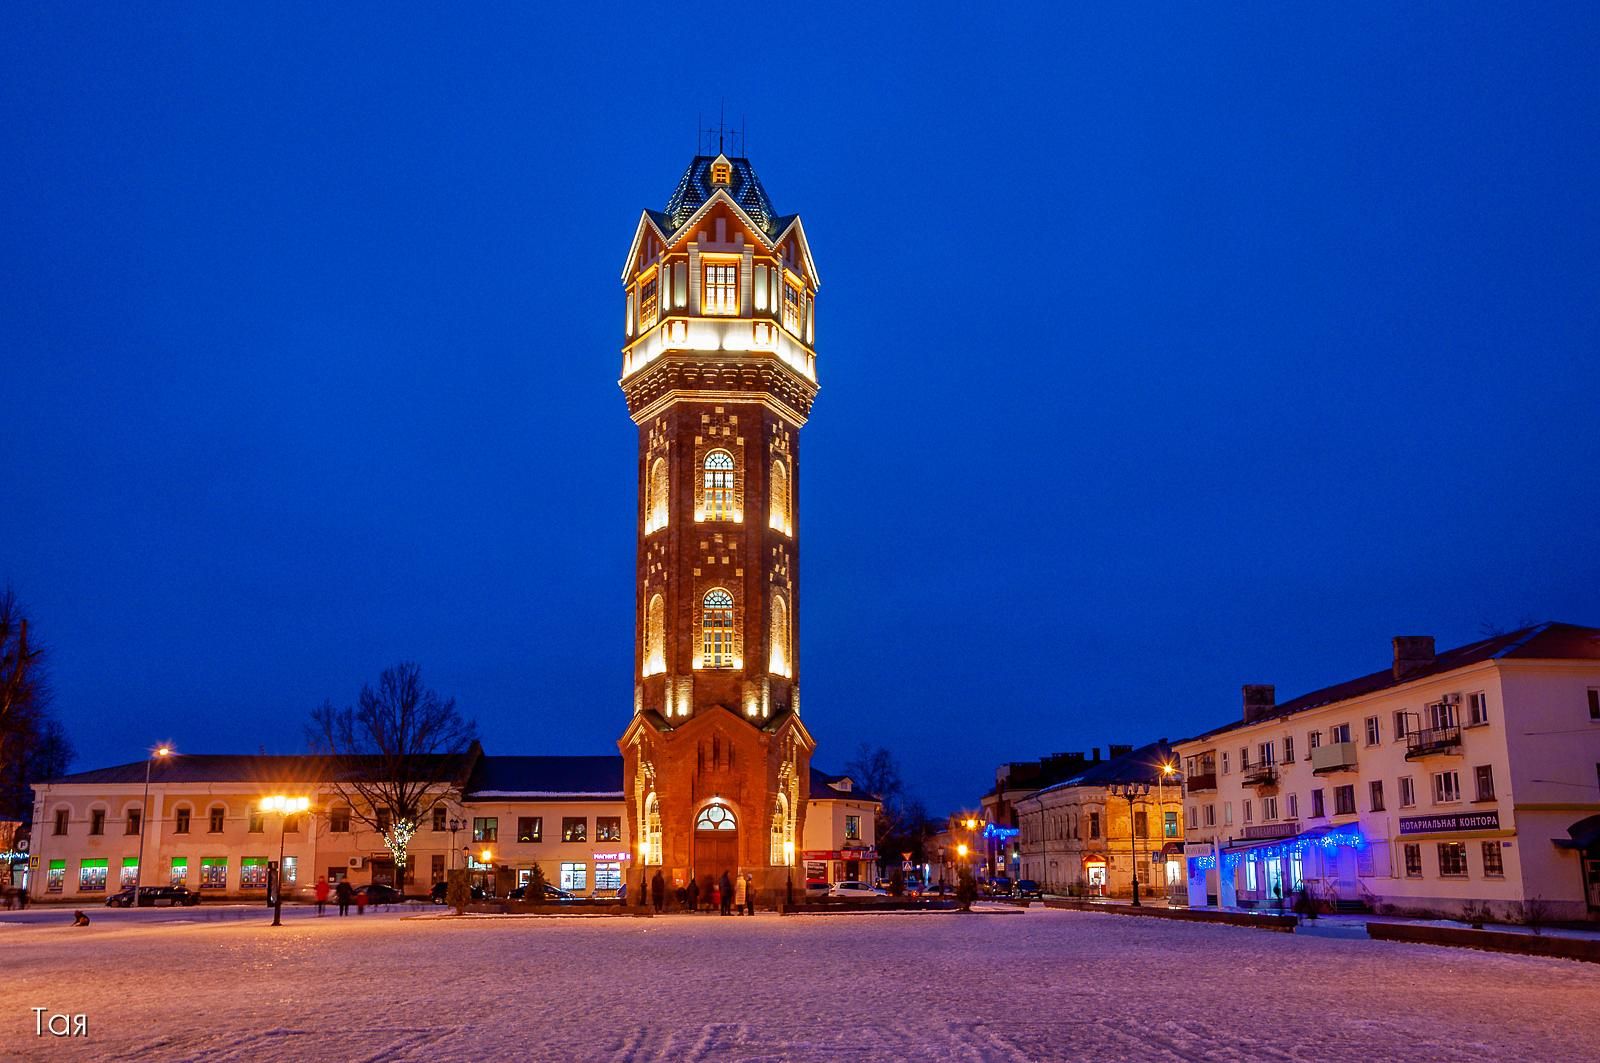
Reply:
x=749, y=894
x=321, y=893
x=716, y=895
x=741, y=891
x=725, y=894
x=658, y=891
x=694, y=895
x=341, y=893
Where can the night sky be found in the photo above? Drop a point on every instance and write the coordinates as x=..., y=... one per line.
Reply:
x=1159, y=354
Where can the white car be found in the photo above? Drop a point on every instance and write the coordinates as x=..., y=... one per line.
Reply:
x=855, y=890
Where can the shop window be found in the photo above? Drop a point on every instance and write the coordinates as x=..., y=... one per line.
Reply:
x=607, y=875
x=92, y=876
x=486, y=828
x=253, y=873
x=1493, y=867
x=607, y=829
x=130, y=872
x=291, y=870
x=1413, y=861
x=56, y=877
x=574, y=829
x=179, y=873
x=530, y=829
x=214, y=873
x=1453, y=859
x=574, y=877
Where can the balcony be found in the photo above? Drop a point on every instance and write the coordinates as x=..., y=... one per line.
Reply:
x=1434, y=741
x=1335, y=756
x=1200, y=783
x=1263, y=775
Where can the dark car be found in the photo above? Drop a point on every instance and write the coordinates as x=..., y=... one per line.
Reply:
x=551, y=893
x=999, y=886
x=378, y=893
x=152, y=896
x=442, y=889
x=1027, y=888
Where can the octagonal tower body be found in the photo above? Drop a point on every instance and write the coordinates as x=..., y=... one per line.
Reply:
x=719, y=371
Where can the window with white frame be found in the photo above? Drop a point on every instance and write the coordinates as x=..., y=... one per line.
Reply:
x=1452, y=859
x=1375, y=795
x=1269, y=808
x=1446, y=787
x=1288, y=749
x=1313, y=741
x=574, y=876
x=1483, y=776
x=716, y=629
x=1477, y=708
x=720, y=293
x=1493, y=866
x=1224, y=763
x=1227, y=813
x=1442, y=715
x=1339, y=733
x=1413, y=860
x=1268, y=753
x=1317, y=809
x=1211, y=815
x=719, y=493
x=1245, y=810
x=1408, y=792
x=1344, y=800
x=1372, y=731
x=1293, y=804
x=1401, y=728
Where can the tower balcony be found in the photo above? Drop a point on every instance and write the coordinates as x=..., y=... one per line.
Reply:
x=759, y=336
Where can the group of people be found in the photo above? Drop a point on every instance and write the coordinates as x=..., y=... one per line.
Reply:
x=727, y=895
x=343, y=894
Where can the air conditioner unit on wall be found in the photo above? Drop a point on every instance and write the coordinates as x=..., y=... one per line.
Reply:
x=357, y=861
x=1452, y=699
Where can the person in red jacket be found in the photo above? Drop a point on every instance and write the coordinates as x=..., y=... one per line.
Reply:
x=322, y=893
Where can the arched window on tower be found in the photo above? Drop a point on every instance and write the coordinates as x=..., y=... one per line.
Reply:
x=782, y=834
x=718, y=503
x=652, y=829
x=779, y=491
x=778, y=637
x=655, y=636
x=655, y=510
x=715, y=817
x=716, y=630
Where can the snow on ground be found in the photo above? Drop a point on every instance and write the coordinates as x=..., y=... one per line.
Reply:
x=1003, y=985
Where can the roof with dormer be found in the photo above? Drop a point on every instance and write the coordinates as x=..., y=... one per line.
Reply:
x=744, y=188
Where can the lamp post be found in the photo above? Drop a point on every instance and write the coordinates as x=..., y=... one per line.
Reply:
x=285, y=807
x=1168, y=771
x=160, y=753
x=456, y=826
x=1132, y=791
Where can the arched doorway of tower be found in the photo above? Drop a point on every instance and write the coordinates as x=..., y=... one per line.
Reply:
x=716, y=842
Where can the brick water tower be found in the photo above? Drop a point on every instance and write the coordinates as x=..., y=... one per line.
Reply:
x=719, y=370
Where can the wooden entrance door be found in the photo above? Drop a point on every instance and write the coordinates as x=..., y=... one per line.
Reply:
x=716, y=843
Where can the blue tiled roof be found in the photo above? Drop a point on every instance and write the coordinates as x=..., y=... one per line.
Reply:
x=695, y=187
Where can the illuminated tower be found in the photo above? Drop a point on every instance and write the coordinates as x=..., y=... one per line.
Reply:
x=719, y=372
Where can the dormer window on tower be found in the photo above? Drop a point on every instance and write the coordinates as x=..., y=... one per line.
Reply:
x=649, y=302
x=720, y=293
x=791, y=308
x=721, y=173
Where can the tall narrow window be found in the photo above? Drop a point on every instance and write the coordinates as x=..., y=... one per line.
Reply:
x=716, y=629
x=648, y=303
x=778, y=636
x=655, y=510
x=719, y=486
x=779, y=491
x=720, y=293
x=791, y=308
x=655, y=637
x=721, y=173
x=781, y=851
x=652, y=830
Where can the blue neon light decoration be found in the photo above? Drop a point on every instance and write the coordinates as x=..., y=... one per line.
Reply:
x=1349, y=838
x=994, y=833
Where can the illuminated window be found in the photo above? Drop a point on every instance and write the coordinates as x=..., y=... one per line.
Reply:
x=647, y=303
x=719, y=486
x=716, y=629
x=779, y=492
x=179, y=874
x=575, y=828
x=652, y=830
x=720, y=293
x=213, y=872
x=721, y=173
x=655, y=638
x=791, y=308
x=656, y=497
x=92, y=876
x=608, y=828
x=486, y=828
x=574, y=877
x=778, y=638
x=253, y=873
x=715, y=817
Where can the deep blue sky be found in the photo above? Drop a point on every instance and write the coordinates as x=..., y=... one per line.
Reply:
x=1160, y=354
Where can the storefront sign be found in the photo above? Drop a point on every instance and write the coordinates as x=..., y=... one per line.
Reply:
x=1455, y=821
x=1272, y=830
x=620, y=855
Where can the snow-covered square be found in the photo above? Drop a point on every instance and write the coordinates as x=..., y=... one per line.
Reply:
x=998, y=985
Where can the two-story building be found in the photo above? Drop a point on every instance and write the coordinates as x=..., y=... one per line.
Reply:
x=1448, y=780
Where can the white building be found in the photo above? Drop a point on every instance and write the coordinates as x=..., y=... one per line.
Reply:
x=1469, y=777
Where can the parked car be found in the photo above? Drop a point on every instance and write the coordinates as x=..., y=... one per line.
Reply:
x=999, y=886
x=1027, y=888
x=153, y=896
x=377, y=893
x=441, y=889
x=551, y=893
x=816, y=887
x=859, y=891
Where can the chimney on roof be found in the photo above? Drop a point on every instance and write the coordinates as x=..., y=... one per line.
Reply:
x=1259, y=700
x=1412, y=653
x=1096, y=752
x=1118, y=751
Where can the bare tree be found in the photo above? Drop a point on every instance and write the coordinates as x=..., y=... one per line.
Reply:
x=395, y=753
x=20, y=683
x=33, y=745
x=900, y=817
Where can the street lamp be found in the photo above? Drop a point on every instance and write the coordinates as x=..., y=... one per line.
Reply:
x=159, y=753
x=285, y=807
x=1168, y=771
x=1131, y=791
x=456, y=826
